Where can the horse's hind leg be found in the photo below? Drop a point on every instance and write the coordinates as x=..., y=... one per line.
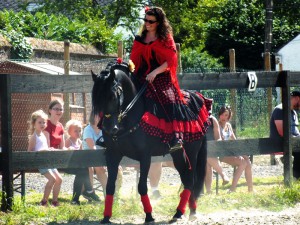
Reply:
x=193, y=207
x=199, y=178
x=186, y=166
x=182, y=168
x=142, y=188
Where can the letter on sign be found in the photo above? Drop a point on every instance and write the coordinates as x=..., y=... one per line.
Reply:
x=252, y=81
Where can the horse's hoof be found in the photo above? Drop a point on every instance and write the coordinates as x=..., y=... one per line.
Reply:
x=149, y=219
x=193, y=217
x=105, y=220
x=175, y=219
x=178, y=216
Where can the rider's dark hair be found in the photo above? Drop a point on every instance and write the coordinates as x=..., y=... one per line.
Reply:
x=164, y=28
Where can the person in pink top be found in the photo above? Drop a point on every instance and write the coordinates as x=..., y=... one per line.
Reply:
x=54, y=128
x=55, y=132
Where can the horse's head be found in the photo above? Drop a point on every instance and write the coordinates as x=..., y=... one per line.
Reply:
x=108, y=95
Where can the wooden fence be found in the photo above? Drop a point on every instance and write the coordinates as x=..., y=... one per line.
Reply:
x=11, y=162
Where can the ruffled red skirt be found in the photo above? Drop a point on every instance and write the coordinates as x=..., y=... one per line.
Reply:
x=167, y=115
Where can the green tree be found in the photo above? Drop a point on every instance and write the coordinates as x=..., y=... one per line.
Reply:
x=238, y=25
x=58, y=27
x=241, y=25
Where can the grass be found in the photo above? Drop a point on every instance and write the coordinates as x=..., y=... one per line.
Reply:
x=270, y=195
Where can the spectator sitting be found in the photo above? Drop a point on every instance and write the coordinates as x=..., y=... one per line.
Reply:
x=73, y=142
x=38, y=141
x=91, y=135
x=213, y=133
x=154, y=176
x=242, y=163
x=55, y=132
x=276, y=127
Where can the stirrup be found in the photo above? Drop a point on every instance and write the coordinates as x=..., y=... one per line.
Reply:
x=177, y=146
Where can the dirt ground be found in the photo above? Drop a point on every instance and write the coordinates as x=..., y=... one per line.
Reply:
x=261, y=168
x=290, y=216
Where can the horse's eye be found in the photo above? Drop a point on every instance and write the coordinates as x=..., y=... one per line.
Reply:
x=107, y=115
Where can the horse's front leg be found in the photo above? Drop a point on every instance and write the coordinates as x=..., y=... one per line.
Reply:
x=112, y=162
x=142, y=189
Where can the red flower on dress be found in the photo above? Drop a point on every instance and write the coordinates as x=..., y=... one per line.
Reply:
x=119, y=60
x=147, y=8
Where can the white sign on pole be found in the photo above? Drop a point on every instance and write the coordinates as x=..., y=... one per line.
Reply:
x=252, y=81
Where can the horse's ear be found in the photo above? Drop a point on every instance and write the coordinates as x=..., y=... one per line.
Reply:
x=94, y=76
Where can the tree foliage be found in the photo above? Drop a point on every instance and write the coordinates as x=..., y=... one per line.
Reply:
x=205, y=29
x=241, y=25
x=59, y=28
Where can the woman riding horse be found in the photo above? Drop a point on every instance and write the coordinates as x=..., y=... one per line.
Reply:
x=142, y=127
x=167, y=115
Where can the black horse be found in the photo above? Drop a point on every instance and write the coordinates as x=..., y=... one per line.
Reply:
x=115, y=96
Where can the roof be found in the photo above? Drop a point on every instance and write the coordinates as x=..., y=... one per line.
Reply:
x=293, y=41
x=18, y=67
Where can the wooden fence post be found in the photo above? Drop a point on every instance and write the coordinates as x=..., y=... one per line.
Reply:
x=6, y=142
x=232, y=99
x=67, y=72
x=120, y=49
x=287, y=148
x=179, y=66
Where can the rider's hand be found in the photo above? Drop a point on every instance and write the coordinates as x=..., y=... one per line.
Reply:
x=151, y=76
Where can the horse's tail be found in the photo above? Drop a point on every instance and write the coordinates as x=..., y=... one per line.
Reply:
x=200, y=169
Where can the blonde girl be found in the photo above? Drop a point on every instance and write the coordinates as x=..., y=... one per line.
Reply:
x=82, y=178
x=39, y=141
x=73, y=134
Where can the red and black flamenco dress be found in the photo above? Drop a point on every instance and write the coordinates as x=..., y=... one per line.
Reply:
x=169, y=110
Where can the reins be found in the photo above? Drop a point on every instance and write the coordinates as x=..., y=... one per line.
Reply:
x=130, y=105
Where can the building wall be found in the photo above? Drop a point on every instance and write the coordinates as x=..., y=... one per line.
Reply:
x=289, y=55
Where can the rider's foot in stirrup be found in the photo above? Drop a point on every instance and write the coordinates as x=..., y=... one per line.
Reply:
x=175, y=144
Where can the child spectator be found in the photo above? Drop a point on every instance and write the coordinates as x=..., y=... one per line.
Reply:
x=38, y=141
x=73, y=142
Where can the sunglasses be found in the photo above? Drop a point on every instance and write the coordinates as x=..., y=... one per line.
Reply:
x=57, y=109
x=149, y=21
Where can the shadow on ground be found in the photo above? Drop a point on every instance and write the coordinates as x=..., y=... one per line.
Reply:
x=86, y=222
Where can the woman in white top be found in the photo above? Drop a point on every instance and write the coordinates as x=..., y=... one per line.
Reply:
x=242, y=163
x=91, y=134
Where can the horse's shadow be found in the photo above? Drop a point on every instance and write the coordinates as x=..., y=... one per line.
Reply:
x=87, y=222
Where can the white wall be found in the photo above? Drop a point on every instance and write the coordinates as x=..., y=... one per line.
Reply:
x=289, y=55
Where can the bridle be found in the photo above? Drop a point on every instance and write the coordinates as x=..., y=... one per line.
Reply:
x=122, y=114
